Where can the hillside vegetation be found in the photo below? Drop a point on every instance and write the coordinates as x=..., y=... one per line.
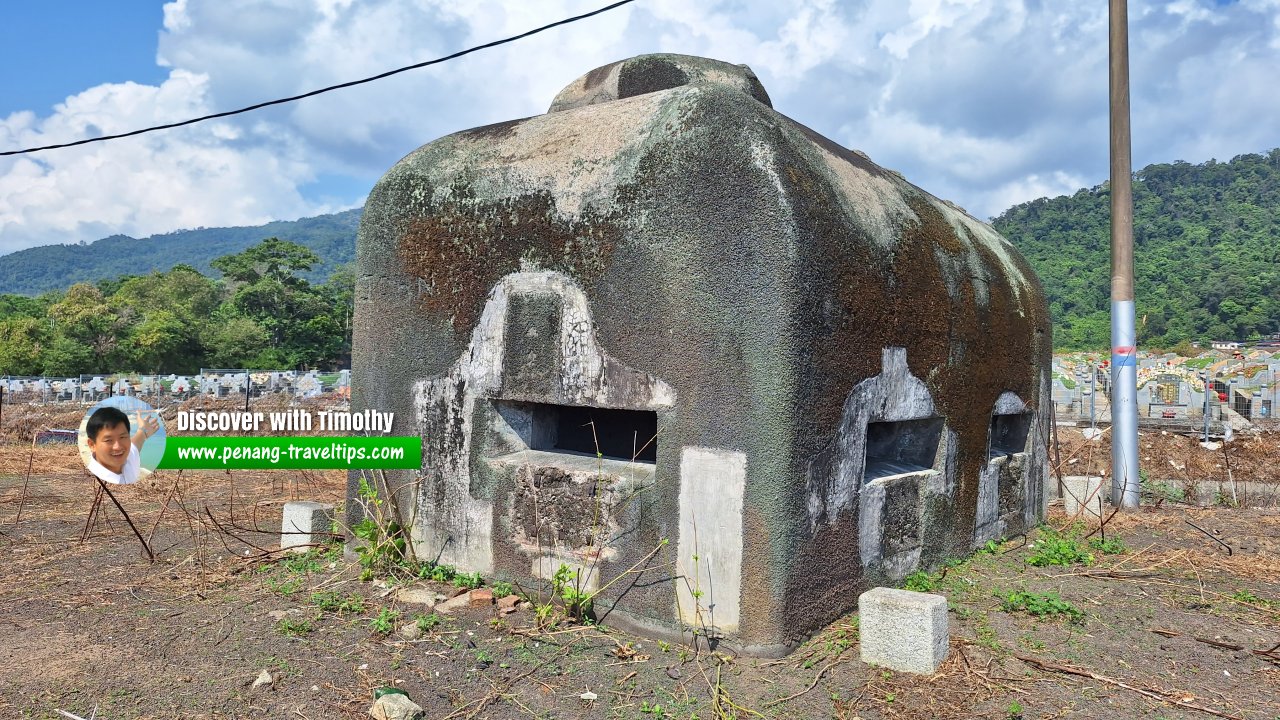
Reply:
x=262, y=313
x=1207, y=254
x=56, y=267
x=1206, y=247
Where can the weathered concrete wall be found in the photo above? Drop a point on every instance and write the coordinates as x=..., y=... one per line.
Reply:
x=664, y=241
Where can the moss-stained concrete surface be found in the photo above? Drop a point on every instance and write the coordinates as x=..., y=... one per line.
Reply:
x=664, y=241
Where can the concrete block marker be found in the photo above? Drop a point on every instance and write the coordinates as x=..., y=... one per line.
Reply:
x=305, y=523
x=903, y=630
x=1080, y=495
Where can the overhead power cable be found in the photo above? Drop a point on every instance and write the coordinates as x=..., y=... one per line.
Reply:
x=331, y=88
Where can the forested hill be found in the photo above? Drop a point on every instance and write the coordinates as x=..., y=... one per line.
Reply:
x=57, y=267
x=1206, y=253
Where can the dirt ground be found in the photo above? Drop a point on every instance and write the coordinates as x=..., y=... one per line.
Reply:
x=1172, y=625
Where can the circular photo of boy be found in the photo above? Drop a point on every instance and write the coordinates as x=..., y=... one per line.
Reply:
x=121, y=440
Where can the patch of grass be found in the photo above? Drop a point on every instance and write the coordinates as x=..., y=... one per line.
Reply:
x=385, y=621
x=1031, y=642
x=920, y=581
x=468, y=580
x=285, y=587
x=438, y=573
x=426, y=623
x=502, y=589
x=1015, y=711
x=987, y=636
x=294, y=628
x=332, y=601
x=1041, y=605
x=311, y=561
x=1054, y=548
x=1111, y=546
x=1248, y=597
x=1159, y=490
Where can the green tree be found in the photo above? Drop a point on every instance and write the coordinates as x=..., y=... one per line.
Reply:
x=22, y=341
x=85, y=317
x=235, y=341
x=297, y=317
x=272, y=258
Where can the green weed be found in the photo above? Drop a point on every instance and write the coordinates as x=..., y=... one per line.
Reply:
x=332, y=601
x=1158, y=490
x=1248, y=597
x=294, y=628
x=468, y=580
x=286, y=587
x=920, y=581
x=426, y=622
x=1113, y=546
x=1041, y=605
x=438, y=573
x=385, y=621
x=1053, y=548
x=567, y=583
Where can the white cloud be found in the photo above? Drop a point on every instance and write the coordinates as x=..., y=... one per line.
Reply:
x=212, y=175
x=984, y=103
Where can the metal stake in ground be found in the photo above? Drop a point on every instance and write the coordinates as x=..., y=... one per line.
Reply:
x=127, y=519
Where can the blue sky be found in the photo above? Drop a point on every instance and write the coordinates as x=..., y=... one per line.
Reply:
x=983, y=102
x=49, y=51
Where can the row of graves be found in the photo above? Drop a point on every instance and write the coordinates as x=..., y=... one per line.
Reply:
x=1172, y=387
x=161, y=389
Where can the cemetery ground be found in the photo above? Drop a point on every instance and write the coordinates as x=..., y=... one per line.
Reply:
x=1158, y=620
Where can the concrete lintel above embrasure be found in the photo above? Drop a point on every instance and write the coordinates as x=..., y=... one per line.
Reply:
x=1009, y=404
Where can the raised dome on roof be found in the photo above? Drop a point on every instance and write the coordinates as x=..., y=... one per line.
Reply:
x=651, y=73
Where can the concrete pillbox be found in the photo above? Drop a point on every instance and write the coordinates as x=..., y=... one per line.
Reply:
x=903, y=630
x=664, y=310
x=305, y=523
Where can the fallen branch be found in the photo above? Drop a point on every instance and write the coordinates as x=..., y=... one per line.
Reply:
x=1206, y=641
x=1081, y=672
x=812, y=685
x=1268, y=654
x=1116, y=574
x=1209, y=535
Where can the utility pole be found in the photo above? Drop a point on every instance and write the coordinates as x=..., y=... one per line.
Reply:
x=1124, y=353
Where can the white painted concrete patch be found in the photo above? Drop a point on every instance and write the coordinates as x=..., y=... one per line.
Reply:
x=712, y=483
